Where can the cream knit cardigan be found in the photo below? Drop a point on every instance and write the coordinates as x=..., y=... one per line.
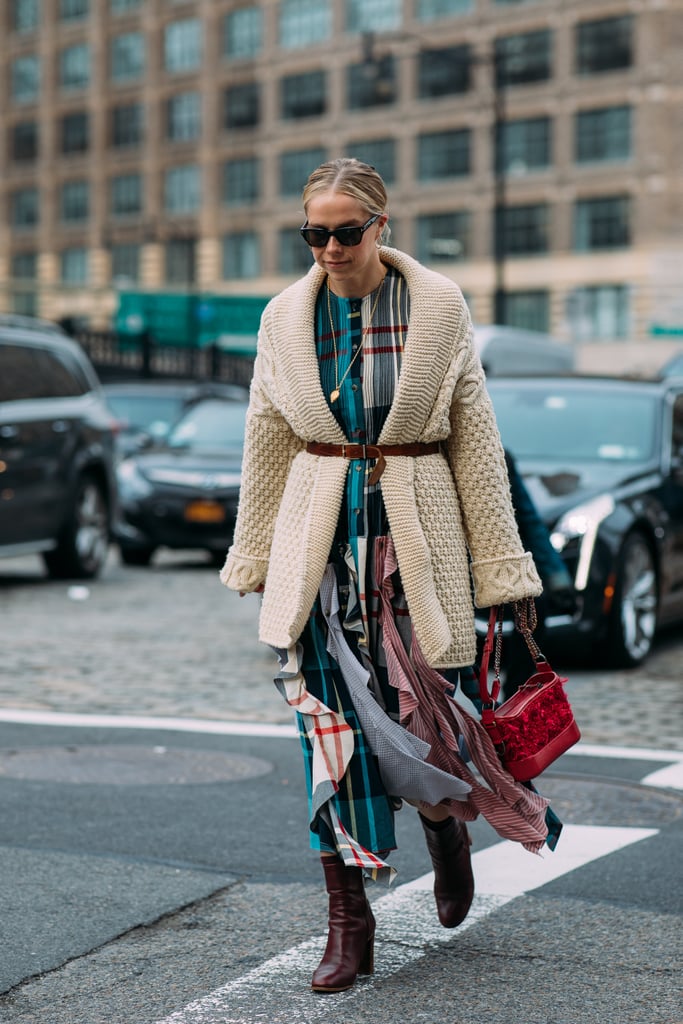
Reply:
x=450, y=514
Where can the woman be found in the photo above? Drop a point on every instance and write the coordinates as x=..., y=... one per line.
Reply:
x=373, y=476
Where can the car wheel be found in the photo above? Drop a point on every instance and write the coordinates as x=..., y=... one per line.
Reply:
x=84, y=542
x=634, y=611
x=136, y=556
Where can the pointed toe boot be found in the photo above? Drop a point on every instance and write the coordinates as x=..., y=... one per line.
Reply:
x=449, y=849
x=351, y=936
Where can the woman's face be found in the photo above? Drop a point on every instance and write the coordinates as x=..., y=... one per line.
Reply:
x=354, y=270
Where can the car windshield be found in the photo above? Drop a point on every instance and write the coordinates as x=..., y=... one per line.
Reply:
x=574, y=424
x=154, y=414
x=210, y=424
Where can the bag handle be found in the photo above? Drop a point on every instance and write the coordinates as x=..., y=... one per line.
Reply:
x=526, y=620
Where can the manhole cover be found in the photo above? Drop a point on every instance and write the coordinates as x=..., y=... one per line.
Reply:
x=128, y=765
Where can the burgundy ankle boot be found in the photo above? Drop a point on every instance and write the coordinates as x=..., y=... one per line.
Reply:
x=449, y=848
x=351, y=935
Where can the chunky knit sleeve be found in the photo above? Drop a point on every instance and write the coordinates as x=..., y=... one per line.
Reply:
x=269, y=448
x=502, y=571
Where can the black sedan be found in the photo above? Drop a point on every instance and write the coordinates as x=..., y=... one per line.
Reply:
x=184, y=493
x=603, y=461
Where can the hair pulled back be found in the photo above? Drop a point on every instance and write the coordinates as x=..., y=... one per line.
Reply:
x=352, y=178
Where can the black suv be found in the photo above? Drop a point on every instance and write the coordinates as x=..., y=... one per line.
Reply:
x=57, y=479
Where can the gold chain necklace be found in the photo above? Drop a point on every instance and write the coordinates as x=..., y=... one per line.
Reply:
x=334, y=395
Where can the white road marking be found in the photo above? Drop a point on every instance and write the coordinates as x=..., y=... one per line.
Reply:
x=200, y=725
x=668, y=778
x=406, y=927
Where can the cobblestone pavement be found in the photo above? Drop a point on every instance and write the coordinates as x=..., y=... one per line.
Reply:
x=169, y=640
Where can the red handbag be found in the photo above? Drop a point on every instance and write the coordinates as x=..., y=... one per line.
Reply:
x=536, y=725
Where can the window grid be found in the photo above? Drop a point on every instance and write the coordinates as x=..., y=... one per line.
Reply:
x=73, y=10
x=74, y=66
x=25, y=207
x=603, y=135
x=75, y=132
x=371, y=84
x=25, y=76
x=243, y=32
x=184, y=117
x=529, y=310
x=127, y=56
x=74, y=201
x=125, y=262
x=25, y=15
x=604, y=45
x=183, y=45
x=295, y=168
x=241, y=181
x=378, y=16
x=74, y=265
x=444, y=155
x=126, y=195
x=378, y=153
x=241, y=255
x=24, y=141
x=524, y=229
x=182, y=189
x=444, y=72
x=600, y=312
x=430, y=10
x=443, y=237
x=242, y=105
x=523, y=58
x=602, y=223
x=294, y=256
x=126, y=125
x=525, y=145
x=303, y=95
x=24, y=266
x=304, y=22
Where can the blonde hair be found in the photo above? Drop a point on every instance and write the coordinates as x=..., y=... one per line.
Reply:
x=352, y=178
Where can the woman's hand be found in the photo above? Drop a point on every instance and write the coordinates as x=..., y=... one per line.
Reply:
x=256, y=590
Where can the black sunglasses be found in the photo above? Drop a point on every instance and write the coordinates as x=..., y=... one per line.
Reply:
x=319, y=237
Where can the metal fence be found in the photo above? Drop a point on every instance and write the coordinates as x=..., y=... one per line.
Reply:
x=118, y=357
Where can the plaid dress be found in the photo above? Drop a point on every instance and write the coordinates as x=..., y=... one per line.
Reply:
x=377, y=724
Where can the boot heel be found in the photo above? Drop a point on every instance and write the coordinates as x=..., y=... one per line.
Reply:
x=367, y=964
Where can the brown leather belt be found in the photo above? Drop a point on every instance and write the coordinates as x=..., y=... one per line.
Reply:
x=373, y=451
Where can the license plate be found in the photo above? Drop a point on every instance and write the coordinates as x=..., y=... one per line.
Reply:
x=204, y=512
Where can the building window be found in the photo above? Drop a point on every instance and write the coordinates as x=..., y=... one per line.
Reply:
x=126, y=125
x=378, y=16
x=443, y=237
x=241, y=181
x=182, y=189
x=125, y=263
x=24, y=141
x=242, y=105
x=430, y=10
x=74, y=203
x=602, y=223
x=25, y=266
x=379, y=153
x=599, y=312
x=75, y=132
x=24, y=207
x=522, y=58
x=603, y=135
x=181, y=261
x=73, y=265
x=24, y=15
x=120, y=6
x=184, y=117
x=243, y=32
x=183, y=45
x=604, y=45
x=241, y=255
x=73, y=10
x=294, y=258
x=304, y=22
x=303, y=95
x=443, y=72
x=295, y=168
x=125, y=197
x=127, y=56
x=443, y=155
x=523, y=229
x=74, y=67
x=371, y=83
x=528, y=310
x=525, y=145
x=25, y=78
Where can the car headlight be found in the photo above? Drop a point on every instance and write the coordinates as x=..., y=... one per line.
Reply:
x=132, y=484
x=582, y=523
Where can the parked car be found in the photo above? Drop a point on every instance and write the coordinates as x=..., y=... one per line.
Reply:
x=515, y=352
x=183, y=492
x=57, y=479
x=603, y=461
x=673, y=367
x=147, y=409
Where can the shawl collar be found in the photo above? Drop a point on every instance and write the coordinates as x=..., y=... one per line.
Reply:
x=434, y=314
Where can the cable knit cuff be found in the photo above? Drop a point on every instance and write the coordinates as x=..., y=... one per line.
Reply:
x=244, y=574
x=503, y=580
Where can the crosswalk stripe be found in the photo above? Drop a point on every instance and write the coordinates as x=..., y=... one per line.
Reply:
x=406, y=925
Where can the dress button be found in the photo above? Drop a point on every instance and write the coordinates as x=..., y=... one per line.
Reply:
x=354, y=387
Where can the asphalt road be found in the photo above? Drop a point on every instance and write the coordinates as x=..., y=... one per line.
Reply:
x=153, y=835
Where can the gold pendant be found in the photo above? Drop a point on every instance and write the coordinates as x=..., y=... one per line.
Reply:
x=334, y=395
